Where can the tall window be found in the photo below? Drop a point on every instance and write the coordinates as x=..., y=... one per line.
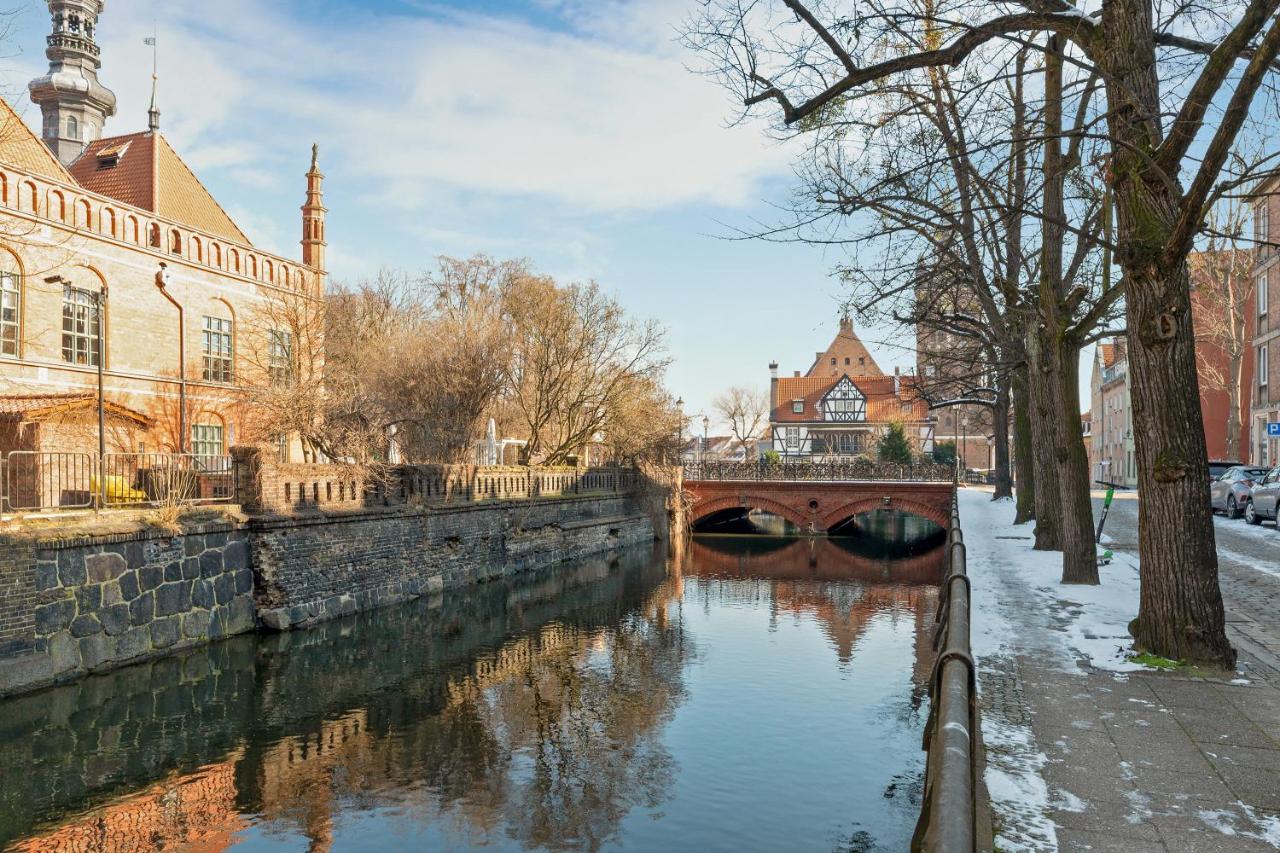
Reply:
x=1263, y=296
x=280, y=357
x=217, y=350
x=1262, y=365
x=73, y=128
x=206, y=440
x=1261, y=223
x=80, y=322
x=10, y=306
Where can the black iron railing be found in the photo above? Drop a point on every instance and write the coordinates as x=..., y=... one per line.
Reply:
x=853, y=471
x=948, y=812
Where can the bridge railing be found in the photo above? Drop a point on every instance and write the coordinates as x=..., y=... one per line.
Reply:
x=919, y=472
x=948, y=812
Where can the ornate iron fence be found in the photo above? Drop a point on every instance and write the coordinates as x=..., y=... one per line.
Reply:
x=851, y=471
x=948, y=813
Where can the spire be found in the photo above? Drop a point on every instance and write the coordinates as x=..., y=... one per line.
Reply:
x=313, y=211
x=153, y=112
x=74, y=104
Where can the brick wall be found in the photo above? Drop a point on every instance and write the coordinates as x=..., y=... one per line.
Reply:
x=84, y=604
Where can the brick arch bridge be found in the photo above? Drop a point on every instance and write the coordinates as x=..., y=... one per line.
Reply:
x=818, y=497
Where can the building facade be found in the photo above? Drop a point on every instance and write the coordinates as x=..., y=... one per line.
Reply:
x=1264, y=325
x=105, y=242
x=841, y=407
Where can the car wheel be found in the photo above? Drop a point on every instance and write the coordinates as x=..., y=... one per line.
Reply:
x=1233, y=511
x=1249, y=514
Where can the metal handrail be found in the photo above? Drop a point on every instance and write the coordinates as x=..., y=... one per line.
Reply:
x=948, y=812
x=47, y=480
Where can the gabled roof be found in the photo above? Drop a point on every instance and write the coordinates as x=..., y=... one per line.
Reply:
x=143, y=170
x=882, y=401
x=21, y=148
x=851, y=355
x=36, y=407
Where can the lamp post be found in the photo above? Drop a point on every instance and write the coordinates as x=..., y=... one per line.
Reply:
x=706, y=424
x=680, y=430
x=964, y=441
x=162, y=283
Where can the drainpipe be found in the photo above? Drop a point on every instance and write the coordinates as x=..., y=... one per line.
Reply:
x=162, y=281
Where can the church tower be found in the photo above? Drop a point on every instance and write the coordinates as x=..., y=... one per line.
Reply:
x=75, y=105
x=313, y=211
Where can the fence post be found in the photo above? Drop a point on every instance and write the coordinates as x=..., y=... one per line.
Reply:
x=246, y=463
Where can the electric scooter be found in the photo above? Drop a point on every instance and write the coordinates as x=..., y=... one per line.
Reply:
x=1105, y=556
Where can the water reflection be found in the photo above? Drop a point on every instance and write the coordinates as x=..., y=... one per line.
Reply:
x=632, y=702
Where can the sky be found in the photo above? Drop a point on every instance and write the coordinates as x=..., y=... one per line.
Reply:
x=568, y=132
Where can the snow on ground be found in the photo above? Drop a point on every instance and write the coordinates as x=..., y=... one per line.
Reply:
x=1075, y=626
x=1264, y=533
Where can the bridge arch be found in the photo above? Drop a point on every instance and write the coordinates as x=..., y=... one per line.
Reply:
x=705, y=508
x=866, y=504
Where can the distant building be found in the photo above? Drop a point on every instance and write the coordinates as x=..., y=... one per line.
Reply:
x=1264, y=325
x=842, y=405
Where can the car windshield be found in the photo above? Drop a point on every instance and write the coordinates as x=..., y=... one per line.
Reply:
x=1254, y=473
x=1217, y=469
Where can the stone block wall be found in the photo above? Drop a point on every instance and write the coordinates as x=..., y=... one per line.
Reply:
x=89, y=603
x=311, y=570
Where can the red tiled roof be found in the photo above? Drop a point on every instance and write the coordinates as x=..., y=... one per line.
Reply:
x=146, y=172
x=882, y=403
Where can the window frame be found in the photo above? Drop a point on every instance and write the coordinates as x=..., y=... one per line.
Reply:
x=1262, y=366
x=79, y=307
x=1262, y=296
x=16, y=323
x=280, y=364
x=797, y=407
x=202, y=437
x=219, y=365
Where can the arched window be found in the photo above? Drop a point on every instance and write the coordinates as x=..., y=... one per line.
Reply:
x=107, y=221
x=131, y=230
x=268, y=271
x=30, y=200
x=197, y=250
x=285, y=278
x=208, y=436
x=233, y=259
x=175, y=242
x=215, y=254
x=84, y=214
x=153, y=237
x=253, y=266
x=73, y=128
x=4, y=189
x=10, y=311
x=57, y=206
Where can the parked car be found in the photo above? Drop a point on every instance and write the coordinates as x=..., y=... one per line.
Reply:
x=1266, y=496
x=1218, y=467
x=1230, y=492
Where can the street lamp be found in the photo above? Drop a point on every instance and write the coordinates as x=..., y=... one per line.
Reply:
x=680, y=428
x=162, y=282
x=706, y=424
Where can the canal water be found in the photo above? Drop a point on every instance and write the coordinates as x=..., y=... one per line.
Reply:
x=758, y=693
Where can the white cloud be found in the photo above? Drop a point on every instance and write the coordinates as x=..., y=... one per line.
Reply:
x=601, y=115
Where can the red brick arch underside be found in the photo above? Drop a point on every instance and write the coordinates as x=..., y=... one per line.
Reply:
x=935, y=514
x=702, y=509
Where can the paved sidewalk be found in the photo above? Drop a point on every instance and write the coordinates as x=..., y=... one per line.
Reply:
x=1084, y=755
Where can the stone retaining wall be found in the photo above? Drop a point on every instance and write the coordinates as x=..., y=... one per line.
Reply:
x=309, y=570
x=73, y=606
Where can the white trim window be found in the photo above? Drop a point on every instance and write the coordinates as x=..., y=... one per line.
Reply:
x=207, y=440
x=797, y=407
x=1263, y=297
x=80, y=320
x=10, y=312
x=1262, y=366
x=1261, y=222
x=793, y=438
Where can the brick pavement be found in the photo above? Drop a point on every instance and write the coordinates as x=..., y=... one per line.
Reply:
x=1156, y=761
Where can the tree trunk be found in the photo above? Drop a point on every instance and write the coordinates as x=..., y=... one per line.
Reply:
x=1000, y=441
x=1180, y=612
x=1022, y=452
x=1079, y=554
x=1044, y=444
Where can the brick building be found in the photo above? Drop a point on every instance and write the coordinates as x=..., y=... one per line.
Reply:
x=86, y=217
x=1111, y=449
x=1264, y=325
x=843, y=404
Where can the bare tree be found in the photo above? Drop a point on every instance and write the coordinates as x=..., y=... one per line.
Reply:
x=1174, y=104
x=746, y=410
x=576, y=356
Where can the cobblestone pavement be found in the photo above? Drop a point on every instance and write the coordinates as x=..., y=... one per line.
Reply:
x=1162, y=761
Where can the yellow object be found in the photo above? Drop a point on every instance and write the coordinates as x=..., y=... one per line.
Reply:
x=118, y=490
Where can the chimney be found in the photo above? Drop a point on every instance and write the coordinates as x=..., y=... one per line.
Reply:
x=846, y=323
x=795, y=375
x=773, y=387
